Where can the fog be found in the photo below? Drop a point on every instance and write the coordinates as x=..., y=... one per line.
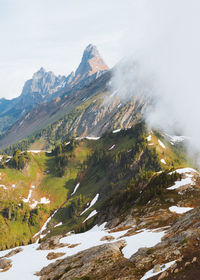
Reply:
x=162, y=59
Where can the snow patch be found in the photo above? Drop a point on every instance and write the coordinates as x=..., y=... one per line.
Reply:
x=44, y=200
x=163, y=161
x=27, y=200
x=92, y=138
x=91, y=204
x=161, y=144
x=145, y=238
x=117, y=130
x=75, y=189
x=111, y=148
x=85, y=240
x=181, y=183
x=93, y=213
x=44, y=227
x=184, y=170
x=149, y=138
x=179, y=210
x=59, y=224
x=185, y=181
x=150, y=273
x=4, y=187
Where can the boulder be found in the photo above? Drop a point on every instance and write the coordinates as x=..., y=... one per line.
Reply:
x=52, y=255
x=5, y=264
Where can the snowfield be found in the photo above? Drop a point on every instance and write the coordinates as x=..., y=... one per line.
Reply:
x=181, y=183
x=31, y=260
x=185, y=181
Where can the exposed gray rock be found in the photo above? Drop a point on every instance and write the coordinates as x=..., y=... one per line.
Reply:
x=92, y=261
x=5, y=264
x=13, y=252
x=156, y=268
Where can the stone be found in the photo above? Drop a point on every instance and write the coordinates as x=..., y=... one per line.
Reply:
x=95, y=261
x=13, y=252
x=52, y=243
x=194, y=259
x=107, y=238
x=163, y=275
x=176, y=252
x=156, y=268
x=5, y=264
x=52, y=255
x=187, y=263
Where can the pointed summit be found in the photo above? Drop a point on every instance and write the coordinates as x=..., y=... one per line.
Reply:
x=91, y=63
x=90, y=52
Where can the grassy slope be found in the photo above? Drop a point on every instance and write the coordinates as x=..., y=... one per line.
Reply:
x=96, y=179
x=105, y=177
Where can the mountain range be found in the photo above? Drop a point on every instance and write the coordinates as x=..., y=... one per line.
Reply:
x=45, y=87
x=87, y=190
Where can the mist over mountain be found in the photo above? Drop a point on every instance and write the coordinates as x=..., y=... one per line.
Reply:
x=96, y=181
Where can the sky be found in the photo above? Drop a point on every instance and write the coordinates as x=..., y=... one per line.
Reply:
x=53, y=34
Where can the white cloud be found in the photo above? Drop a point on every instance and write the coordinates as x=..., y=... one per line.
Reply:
x=164, y=42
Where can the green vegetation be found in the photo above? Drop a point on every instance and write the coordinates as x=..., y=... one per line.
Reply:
x=18, y=223
x=121, y=167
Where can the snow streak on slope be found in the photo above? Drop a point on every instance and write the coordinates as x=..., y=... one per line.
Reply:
x=93, y=213
x=75, y=189
x=91, y=204
x=179, y=210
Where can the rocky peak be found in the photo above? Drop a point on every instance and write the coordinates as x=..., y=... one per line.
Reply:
x=42, y=83
x=91, y=63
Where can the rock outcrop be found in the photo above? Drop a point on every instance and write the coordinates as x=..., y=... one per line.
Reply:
x=99, y=262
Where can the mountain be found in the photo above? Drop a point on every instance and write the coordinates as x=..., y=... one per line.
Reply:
x=43, y=84
x=91, y=64
x=88, y=191
x=107, y=208
x=46, y=86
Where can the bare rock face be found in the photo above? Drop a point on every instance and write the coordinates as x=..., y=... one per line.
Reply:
x=96, y=261
x=91, y=64
x=52, y=255
x=5, y=264
x=107, y=238
x=52, y=243
x=156, y=268
x=13, y=252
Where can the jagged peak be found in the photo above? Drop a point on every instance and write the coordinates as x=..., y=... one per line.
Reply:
x=91, y=63
x=91, y=51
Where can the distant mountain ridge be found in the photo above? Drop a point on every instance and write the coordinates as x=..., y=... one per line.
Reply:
x=45, y=86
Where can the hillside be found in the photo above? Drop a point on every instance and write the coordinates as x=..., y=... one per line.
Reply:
x=123, y=180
